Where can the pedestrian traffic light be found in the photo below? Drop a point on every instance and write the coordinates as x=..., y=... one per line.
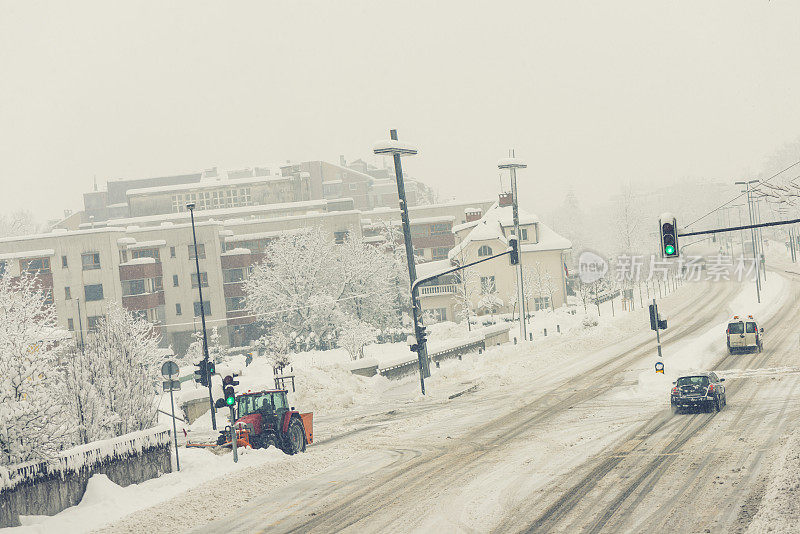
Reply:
x=653, y=318
x=227, y=388
x=201, y=374
x=514, y=244
x=211, y=368
x=668, y=228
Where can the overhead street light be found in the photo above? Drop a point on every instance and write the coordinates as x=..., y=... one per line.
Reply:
x=397, y=150
x=512, y=164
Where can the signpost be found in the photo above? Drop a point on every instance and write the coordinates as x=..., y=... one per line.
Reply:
x=170, y=371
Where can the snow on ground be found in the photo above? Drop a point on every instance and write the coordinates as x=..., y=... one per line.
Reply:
x=780, y=505
x=105, y=501
x=340, y=399
x=701, y=352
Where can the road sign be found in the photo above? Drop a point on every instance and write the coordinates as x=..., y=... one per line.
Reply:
x=171, y=385
x=170, y=370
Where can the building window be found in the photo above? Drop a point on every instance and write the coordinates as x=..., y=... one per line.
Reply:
x=523, y=234
x=123, y=256
x=340, y=237
x=93, y=292
x=541, y=303
x=440, y=253
x=488, y=285
x=234, y=303
x=206, y=308
x=70, y=325
x=90, y=260
x=155, y=284
x=178, y=309
x=485, y=250
x=231, y=276
x=441, y=229
x=132, y=287
x=155, y=315
x=146, y=253
x=171, y=252
x=439, y=314
x=35, y=265
x=67, y=294
x=203, y=279
x=93, y=322
x=352, y=186
x=174, y=280
x=201, y=251
x=420, y=230
x=63, y=262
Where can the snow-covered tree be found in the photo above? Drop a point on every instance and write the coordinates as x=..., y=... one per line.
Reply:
x=309, y=284
x=540, y=282
x=275, y=347
x=125, y=362
x=32, y=421
x=490, y=302
x=355, y=335
x=18, y=223
x=467, y=287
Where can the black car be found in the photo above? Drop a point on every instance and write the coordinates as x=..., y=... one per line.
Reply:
x=699, y=391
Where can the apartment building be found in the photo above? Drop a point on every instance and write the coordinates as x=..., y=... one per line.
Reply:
x=209, y=190
x=151, y=270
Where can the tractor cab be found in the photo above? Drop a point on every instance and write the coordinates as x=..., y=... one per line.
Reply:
x=266, y=402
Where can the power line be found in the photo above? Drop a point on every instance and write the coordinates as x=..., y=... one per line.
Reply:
x=742, y=194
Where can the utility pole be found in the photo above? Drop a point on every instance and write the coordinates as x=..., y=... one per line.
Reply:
x=397, y=150
x=190, y=207
x=753, y=236
x=512, y=164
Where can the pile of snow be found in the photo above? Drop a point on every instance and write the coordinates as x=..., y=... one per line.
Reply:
x=780, y=506
x=105, y=502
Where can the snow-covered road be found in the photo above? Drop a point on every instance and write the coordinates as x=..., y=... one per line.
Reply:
x=585, y=442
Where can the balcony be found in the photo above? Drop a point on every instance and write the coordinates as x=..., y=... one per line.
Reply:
x=443, y=289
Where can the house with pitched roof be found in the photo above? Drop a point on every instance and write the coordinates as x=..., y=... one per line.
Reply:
x=492, y=284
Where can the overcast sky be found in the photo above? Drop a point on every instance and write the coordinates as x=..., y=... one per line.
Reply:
x=592, y=94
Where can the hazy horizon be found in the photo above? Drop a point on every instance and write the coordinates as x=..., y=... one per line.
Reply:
x=592, y=95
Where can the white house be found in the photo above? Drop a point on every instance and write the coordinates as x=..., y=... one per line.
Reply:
x=542, y=256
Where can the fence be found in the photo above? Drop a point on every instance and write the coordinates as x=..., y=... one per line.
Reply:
x=493, y=336
x=46, y=488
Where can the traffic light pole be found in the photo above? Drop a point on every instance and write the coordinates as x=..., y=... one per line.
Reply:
x=190, y=206
x=520, y=291
x=234, y=441
x=658, y=335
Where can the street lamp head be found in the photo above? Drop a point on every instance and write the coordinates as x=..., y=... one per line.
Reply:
x=511, y=163
x=190, y=206
x=392, y=147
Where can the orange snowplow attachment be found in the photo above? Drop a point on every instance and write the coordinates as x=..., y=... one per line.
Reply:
x=308, y=425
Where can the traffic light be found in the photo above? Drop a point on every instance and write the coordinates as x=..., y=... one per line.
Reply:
x=653, y=318
x=227, y=388
x=211, y=368
x=514, y=244
x=668, y=228
x=421, y=335
x=662, y=324
x=201, y=374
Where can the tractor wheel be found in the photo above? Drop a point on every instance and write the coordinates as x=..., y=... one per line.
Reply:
x=294, y=440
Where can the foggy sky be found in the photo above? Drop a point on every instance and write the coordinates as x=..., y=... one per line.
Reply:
x=592, y=94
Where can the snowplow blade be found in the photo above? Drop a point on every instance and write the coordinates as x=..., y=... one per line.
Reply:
x=308, y=425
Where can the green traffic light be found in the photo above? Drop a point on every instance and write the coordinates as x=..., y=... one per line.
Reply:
x=229, y=401
x=669, y=250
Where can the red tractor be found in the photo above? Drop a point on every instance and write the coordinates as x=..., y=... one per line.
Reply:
x=264, y=418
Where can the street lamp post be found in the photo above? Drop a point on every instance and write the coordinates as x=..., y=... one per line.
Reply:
x=752, y=236
x=190, y=207
x=512, y=164
x=397, y=149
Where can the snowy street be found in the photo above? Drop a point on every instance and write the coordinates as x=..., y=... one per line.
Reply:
x=590, y=445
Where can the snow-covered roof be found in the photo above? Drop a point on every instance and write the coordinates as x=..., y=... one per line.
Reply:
x=28, y=254
x=206, y=184
x=331, y=182
x=147, y=244
x=221, y=212
x=264, y=235
x=430, y=268
x=431, y=220
x=138, y=261
x=360, y=174
x=122, y=241
x=238, y=251
x=490, y=228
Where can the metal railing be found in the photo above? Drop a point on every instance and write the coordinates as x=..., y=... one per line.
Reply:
x=438, y=290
